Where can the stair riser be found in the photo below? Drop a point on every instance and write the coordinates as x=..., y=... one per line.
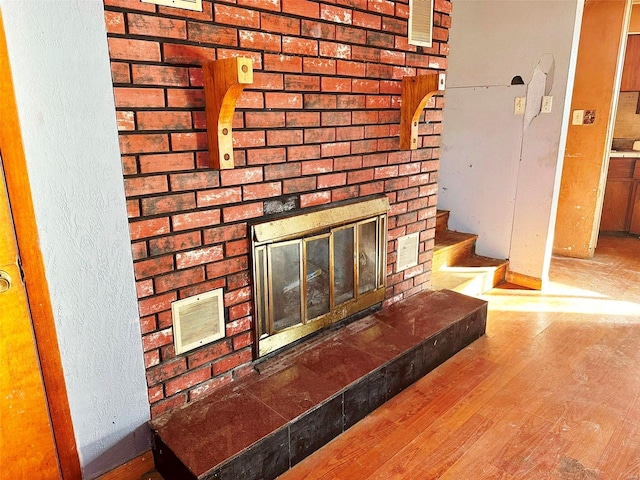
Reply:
x=500, y=276
x=453, y=254
x=482, y=283
x=479, y=283
x=442, y=220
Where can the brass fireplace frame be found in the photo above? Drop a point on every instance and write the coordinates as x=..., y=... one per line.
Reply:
x=301, y=229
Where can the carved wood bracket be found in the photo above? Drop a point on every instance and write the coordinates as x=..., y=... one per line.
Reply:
x=224, y=81
x=416, y=92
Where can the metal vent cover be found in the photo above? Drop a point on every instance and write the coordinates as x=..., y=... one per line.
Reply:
x=198, y=320
x=421, y=23
x=195, y=5
x=408, y=251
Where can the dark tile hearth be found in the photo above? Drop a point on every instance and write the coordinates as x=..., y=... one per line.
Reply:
x=295, y=402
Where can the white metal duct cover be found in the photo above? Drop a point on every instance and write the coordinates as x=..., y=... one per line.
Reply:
x=198, y=320
x=421, y=22
x=184, y=4
x=408, y=251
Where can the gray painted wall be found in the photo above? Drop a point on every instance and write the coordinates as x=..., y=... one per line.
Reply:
x=509, y=194
x=59, y=58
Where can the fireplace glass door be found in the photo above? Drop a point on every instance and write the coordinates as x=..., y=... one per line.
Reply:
x=285, y=279
x=317, y=273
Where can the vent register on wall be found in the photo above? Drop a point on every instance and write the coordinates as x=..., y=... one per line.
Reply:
x=199, y=320
x=195, y=5
x=421, y=22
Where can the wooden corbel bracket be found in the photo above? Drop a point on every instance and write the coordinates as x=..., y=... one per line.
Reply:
x=416, y=92
x=224, y=81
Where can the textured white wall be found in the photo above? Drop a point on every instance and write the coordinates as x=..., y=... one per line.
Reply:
x=479, y=169
x=491, y=42
x=59, y=58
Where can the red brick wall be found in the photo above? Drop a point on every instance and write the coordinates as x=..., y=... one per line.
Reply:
x=320, y=124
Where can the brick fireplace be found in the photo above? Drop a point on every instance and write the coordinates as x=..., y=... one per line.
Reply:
x=318, y=126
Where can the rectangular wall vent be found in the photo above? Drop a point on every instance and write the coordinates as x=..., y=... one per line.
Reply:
x=408, y=251
x=184, y=4
x=421, y=22
x=198, y=320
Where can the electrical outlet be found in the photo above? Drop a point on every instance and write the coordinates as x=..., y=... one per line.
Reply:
x=589, y=117
x=519, y=105
x=578, y=117
x=547, y=102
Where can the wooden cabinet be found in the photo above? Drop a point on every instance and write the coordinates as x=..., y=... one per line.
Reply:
x=631, y=71
x=621, y=208
x=634, y=222
x=616, y=210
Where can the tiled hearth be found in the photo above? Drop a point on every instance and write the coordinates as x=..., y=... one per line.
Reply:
x=297, y=401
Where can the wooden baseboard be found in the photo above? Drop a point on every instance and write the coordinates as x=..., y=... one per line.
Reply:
x=132, y=470
x=534, y=283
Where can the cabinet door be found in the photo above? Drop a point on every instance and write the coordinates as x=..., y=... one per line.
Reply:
x=617, y=195
x=631, y=71
x=616, y=206
x=634, y=226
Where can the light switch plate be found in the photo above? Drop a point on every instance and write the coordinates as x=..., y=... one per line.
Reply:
x=547, y=103
x=519, y=105
x=578, y=117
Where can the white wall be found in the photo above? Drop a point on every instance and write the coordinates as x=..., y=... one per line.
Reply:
x=479, y=167
x=59, y=58
x=509, y=195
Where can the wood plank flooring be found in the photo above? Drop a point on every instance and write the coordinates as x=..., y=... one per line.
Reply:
x=551, y=392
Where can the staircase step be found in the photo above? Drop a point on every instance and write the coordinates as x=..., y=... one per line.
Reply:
x=451, y=247
x=474, y=275
x=442, y=220
x=260, y=425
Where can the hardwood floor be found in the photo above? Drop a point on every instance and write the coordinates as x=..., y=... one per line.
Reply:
x=551, y=392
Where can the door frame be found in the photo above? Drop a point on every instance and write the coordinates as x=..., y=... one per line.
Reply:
x=579, y=210
x=624, y=34
x=19, y=192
